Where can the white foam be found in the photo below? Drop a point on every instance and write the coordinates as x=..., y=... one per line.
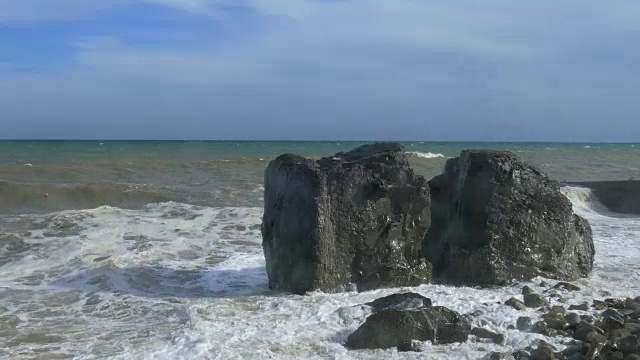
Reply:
x=174, y=281
x=427, y=155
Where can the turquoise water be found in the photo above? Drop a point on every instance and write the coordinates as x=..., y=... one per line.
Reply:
x=130, y=174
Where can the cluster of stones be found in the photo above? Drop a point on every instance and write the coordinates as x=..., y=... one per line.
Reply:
x=364, y=220
x=604, y=330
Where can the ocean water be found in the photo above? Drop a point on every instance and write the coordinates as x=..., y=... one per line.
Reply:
x=152, y=250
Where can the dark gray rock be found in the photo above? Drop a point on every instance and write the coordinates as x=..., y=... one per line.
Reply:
x=534, y=300
x=543, y=352
x=496, y=220
x=628, y=345
x=499, y=356
x=406, y=300
x=567, y=286
x=633, y=357
x=486, y=334
x=516, y=304
x=572, y=320
x=555, y=320
x=524, y=323
x=521, y=355
x=357, y=217
x=582, y=307
x=526, y=290
x=398, y=328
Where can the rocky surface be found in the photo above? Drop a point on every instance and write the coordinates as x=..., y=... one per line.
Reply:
x=400, y=323
x=353, y=218
x=496, y=220
x=612, y=333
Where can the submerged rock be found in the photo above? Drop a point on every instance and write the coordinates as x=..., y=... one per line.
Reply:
x=357, y=217
x=516, y=304
x=496, y=220
x=534, y=300
x=400, y=328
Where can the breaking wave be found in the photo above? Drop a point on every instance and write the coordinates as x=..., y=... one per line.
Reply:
x=427, y=155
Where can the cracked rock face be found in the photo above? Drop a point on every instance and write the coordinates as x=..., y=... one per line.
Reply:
x=353, y=218
x=496, y=220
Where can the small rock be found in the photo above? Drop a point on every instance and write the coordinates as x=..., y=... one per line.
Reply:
x=555, y=320
x=637, y=299
x=534, y=300
x=594, y=351
x=615, y=303
x=572, y=319
x=581, y=307
x=615, y=355
x=527, y=290
x=604, y=293
x=524, y=323
x=595, y=337
x=633, y=357
x=576, y=356
x=544, y=284
x=631, y=304
x=406, y=300
x=540, y=327
x=612, y=320
x=566, y=286
x=521, y=355
x=584, y=329
x=499, y=356
x=486, y=334
x=516, y=304
x=543, y=352
x=633, y=328
x=570, y=350
x=628, y=345
x=557, y=309
x=600, y=305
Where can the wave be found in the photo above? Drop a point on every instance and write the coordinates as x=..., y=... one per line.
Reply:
x=46, y=197
x=584, y=200
x=427, y=155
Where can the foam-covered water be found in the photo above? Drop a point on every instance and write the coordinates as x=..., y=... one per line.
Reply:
x=177, y=281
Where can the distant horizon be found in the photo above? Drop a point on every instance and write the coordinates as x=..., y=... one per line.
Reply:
x=325, y=141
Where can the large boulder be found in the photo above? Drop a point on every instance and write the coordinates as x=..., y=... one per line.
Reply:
x=397, y=327
x=496, y=220
x=353, y=218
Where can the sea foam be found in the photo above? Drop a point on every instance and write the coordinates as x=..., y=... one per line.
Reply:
x=176, y=281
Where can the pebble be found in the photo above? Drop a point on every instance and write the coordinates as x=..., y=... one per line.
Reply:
x=534, y=300
x=567, y=286
x=516, y=304
x=582, y=307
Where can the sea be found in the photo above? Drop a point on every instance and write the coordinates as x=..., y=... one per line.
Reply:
x=152, y=250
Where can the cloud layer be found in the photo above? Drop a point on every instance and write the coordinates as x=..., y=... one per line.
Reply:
x=274, y=69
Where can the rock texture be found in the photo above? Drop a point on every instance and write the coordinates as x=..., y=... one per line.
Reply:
x=354, y=218
x=496, y=220
x=399, y=328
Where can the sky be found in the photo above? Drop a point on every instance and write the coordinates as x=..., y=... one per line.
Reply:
x=457, y=70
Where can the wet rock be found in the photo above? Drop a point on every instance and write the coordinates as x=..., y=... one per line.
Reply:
x=543, y=352
x=577, y=356
x=527, y=290
x=398, y=328
x=524, y=323
x=599, y=305
x=557, y=309
x=540, y=327
x=567, y=286
x=499, y=356
x=555, y=320
x=486, y=334
x=357, y=217
x=572, y=320
x=572, y=350
x=521, y=355
x=594, y=350
x=633, y=357
x=534, y=300
x=615, y=303
x=628, y=345
x=584, y=329
x=633, y=328
x=631, y=304
x=496, y=220
x=582, y=307
x=407, y=300
x=612, y=320
x=516, y=304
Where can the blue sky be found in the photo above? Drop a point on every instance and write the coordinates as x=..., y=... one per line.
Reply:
x=493, y=70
